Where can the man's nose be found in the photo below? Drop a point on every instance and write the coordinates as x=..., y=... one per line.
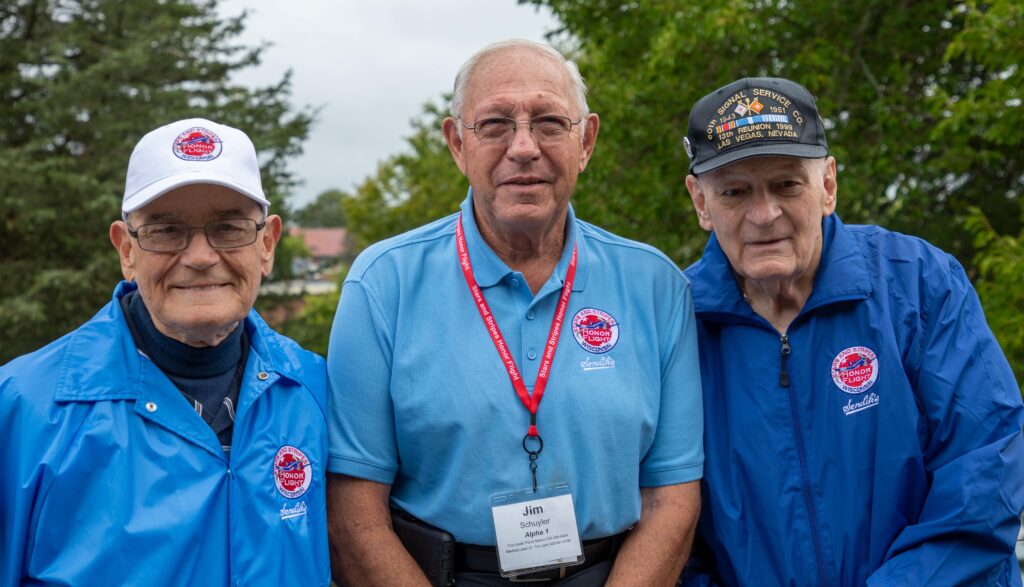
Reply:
x=523, y=146
x=764, y=208
x=198, y=253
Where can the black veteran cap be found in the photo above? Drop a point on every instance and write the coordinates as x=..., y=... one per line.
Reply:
x=754, y=117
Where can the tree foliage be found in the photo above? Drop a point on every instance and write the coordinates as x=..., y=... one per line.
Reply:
x=921, y=101
x=916, y=96
x=408, y=189
x=81, y=82
x=326, y=211
x=1000, y=284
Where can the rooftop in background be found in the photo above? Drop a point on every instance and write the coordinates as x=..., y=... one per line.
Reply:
x=323, y=243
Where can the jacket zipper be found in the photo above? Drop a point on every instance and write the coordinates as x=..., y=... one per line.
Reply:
x=808, y=498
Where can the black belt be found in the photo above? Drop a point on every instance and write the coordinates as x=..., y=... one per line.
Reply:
x=484, y=559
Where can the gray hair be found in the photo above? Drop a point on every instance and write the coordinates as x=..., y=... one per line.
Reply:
x=462, y=78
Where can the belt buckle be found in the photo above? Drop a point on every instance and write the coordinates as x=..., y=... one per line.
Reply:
x=523, y=578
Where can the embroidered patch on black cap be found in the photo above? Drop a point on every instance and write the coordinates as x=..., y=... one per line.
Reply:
x=754, y=117
x=755, y=113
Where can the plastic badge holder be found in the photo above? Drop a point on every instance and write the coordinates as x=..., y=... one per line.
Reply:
x=544, y=533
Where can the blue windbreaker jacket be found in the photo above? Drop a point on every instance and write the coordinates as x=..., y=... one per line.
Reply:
x=879, y=441
x=110, y=477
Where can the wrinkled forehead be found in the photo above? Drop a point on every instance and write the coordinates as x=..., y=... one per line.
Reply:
x=197, y=203
x=764, y=167
x=519, y=78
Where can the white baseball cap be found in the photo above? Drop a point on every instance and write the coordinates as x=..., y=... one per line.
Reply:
x=188, y=152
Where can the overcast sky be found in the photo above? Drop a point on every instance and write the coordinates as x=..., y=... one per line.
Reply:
x=370, y=66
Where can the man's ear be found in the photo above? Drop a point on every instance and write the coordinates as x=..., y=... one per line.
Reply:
x=830, y=184
x=270, y=237
x=125, y=247
x=450, y=130
x=591, y=124
x=700, y=204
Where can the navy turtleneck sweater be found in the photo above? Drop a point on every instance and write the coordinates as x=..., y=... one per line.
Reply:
x=208, y=377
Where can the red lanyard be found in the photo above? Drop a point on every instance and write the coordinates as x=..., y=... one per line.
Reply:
x=531, y=402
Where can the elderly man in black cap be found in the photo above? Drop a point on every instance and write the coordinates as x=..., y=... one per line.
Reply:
x=862, y=424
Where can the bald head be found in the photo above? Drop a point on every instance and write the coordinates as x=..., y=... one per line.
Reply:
x=508, y=49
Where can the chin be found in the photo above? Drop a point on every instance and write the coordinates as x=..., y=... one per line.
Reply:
x=204, y=326
x=769, y=272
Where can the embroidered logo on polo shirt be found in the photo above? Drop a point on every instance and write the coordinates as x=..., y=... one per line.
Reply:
x=592, y=364
x=292, y=472
x=197, y=144
x=596, y=331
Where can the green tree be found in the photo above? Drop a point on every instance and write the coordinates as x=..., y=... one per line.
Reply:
x=311, y=326
x=326, y=211
x=907, y=91
x=81, y=82
x=1000, y=285
x=408, y=189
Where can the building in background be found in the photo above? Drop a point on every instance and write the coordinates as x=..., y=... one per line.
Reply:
x=327, y=247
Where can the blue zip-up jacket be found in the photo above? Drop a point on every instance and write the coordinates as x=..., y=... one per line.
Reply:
x=878, y=442
x=111, y=478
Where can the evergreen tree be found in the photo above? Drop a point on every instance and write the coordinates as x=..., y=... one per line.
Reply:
x=81, y=82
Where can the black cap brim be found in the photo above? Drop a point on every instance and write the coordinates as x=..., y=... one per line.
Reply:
x=769, y=150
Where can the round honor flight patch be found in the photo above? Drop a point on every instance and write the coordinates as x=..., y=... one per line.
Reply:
x=754, y=114
x=292, y=472
x=855, y=369
x=197, y=144
x=595, y=331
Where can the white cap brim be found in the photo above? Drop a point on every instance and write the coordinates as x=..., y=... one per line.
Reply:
x=162, y=186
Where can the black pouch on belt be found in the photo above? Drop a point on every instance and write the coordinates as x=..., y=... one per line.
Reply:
x=433, y=549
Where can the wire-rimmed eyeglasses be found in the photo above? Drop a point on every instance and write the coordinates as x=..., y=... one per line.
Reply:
x=548, y=128
x=170, y=237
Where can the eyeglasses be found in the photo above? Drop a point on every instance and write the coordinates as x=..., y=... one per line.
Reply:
x=170, y=237
x=550, y=128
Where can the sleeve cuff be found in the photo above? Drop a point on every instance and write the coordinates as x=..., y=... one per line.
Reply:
x=673, y=476
x=353, y=468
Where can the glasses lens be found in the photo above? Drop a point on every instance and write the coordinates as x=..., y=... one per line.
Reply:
x=494, y=129
x=226, y=234
x=163, y=237
x=551, y=127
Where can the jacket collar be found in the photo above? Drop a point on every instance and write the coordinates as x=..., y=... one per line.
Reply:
x=842, y=275
x=489, y=269
x=102, y=362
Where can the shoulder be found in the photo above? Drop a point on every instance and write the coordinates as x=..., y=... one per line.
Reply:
x=908, y=262
x=85, y=352
x=406, y=246
x=631, y=255
x=33, y=377
x=288, y=358
x=32, y=418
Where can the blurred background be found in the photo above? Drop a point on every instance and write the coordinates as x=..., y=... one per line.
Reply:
x=922, y=101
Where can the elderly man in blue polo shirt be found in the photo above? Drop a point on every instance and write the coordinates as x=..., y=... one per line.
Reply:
x=511, y=376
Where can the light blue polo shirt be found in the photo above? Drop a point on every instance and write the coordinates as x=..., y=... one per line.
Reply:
x=419, y=398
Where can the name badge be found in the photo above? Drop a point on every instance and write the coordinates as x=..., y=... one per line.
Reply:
x=536, y=531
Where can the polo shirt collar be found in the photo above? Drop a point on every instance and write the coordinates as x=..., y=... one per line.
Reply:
x=489, y=269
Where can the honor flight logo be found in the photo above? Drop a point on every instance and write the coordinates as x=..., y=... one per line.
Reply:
x=197, y=144
x=292, y=472
x=596, y=331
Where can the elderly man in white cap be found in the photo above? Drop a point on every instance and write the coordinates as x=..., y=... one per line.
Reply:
x=174, y=439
